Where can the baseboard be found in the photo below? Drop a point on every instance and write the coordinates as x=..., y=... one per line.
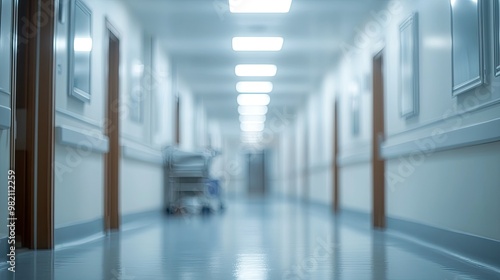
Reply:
x=140, y=216
x=5, y=117
x=479, y=250
x=4, y=249
x=78, y=232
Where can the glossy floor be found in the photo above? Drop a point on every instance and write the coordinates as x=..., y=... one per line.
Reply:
x=254, y=239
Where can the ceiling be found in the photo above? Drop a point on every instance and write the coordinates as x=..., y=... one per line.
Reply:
x=197, y=34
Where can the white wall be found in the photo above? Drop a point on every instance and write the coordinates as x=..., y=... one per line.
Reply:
x=187, y=116
x=79, y=185
x=457, y=189
x=5, y=99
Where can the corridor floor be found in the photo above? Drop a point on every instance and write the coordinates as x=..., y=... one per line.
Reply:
x=254, y=239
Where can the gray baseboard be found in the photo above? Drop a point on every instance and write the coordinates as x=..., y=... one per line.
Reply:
x=477, y=249
x=79, y=231
x=141, y=216
x=4, y=249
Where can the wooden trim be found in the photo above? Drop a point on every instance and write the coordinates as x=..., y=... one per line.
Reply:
x=45, y=131
x=13, y=95
x=378, y=164
x=112, y=131
x=35, y=95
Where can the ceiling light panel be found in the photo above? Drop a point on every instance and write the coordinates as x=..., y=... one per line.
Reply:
x=252, y=110
x=253, y=99
x=252, y=127
x=252, y=118
x=257, y=43
x=259, y=6
x=254, y=87
x=255, y=70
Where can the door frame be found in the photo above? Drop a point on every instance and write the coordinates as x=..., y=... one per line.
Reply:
x=34, y=79
x=112, y=131
x=378, y=130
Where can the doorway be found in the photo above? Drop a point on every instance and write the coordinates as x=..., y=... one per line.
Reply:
x=34, y=107
x=378, y=164
x=112, y=131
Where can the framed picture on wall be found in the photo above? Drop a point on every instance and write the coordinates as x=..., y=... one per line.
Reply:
x=409, y=68
x=136, y=92
x=467, y=46
x=80, y=50
x=355, y=114
x=496, y=28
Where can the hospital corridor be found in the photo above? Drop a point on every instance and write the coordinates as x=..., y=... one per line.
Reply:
x=250, y=139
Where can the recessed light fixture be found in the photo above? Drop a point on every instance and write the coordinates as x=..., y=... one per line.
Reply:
x=252, y=110
x=260, y=6
x=253, y=99
x=254, y=87
x=257, y=43
x=252, y=127
x=255, y=70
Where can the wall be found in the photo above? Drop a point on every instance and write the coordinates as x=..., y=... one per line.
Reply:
x=455, y=189
x=5, y=99
x=79, y=185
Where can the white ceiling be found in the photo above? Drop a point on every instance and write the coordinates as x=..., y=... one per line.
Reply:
x=198, y=33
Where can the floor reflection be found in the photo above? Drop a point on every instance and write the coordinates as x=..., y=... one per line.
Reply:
x=254, y=239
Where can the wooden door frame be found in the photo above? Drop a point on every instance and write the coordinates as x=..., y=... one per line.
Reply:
x=378, y=164
x=112, y=131
x=34, y=81
x=335, y=167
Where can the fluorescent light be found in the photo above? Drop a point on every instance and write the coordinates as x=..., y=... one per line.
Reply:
x=252, y=118
x=255, y=70
x=252, y=127
x=252, y=110
x=257, y=43
x=253, y=99
x=260, y=6
x=254, y=87
x=82, y=44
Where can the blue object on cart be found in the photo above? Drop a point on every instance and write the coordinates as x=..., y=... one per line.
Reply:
x=213, y=186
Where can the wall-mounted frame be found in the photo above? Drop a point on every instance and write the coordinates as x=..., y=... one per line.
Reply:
x=409, y=67
x=496, y=29
x=467, y=45
x=136, y=94
x=80, y=50
x=355, y=114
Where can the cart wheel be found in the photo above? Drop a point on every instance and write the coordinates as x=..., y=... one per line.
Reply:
x=170, y=210
x=205, y=210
